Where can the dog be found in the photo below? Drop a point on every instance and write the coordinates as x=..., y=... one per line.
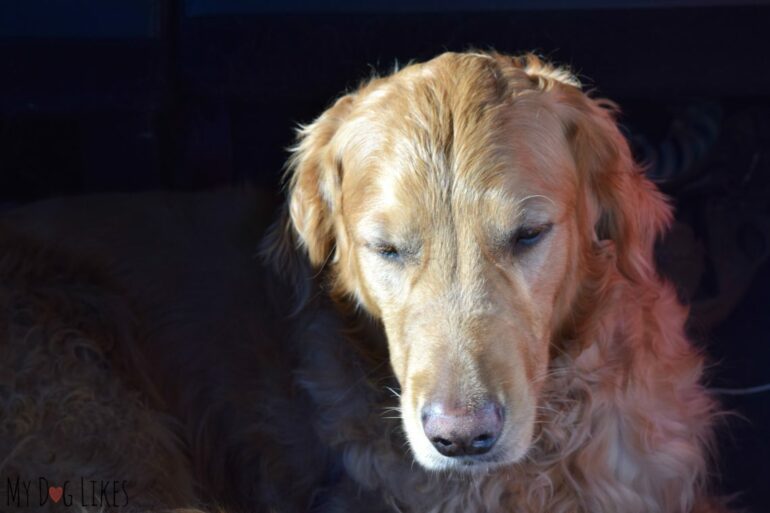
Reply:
x=458, y=311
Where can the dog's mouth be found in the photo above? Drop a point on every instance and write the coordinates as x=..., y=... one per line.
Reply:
x=473, y=465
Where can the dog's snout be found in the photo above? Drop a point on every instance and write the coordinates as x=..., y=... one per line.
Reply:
x=462, y=432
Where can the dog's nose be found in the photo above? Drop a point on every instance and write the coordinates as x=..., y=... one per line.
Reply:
x=462, y=432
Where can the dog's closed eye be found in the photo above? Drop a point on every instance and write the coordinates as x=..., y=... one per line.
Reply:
x=387, y=251
x=527, y=236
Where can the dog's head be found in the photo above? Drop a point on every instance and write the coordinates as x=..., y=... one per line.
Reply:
x=462, y=202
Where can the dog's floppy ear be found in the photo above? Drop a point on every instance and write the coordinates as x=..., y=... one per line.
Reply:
x=627, y=207
x=314, y=182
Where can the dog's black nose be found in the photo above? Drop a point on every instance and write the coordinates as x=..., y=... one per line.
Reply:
x=462, y=432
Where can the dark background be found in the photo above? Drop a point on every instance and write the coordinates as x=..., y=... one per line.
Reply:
x=131, y=95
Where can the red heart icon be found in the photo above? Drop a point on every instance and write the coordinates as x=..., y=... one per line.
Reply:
x=55, y=493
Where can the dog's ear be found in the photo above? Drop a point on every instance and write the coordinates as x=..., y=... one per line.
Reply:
x=314, y=182
x=627, y=207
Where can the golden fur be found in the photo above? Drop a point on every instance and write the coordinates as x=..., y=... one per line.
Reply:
x=580, y=338
x=400, y=245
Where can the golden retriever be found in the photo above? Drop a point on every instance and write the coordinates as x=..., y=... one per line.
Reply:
x=459, y=313
x=490, y=215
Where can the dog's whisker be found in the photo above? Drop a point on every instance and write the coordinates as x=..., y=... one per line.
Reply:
x=393, y=391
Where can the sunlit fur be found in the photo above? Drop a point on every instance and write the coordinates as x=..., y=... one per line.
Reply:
x=577, y=336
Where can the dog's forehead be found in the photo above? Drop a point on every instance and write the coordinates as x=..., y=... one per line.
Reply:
x=438, y=144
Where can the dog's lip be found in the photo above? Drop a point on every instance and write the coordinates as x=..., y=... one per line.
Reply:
x=476, y=463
